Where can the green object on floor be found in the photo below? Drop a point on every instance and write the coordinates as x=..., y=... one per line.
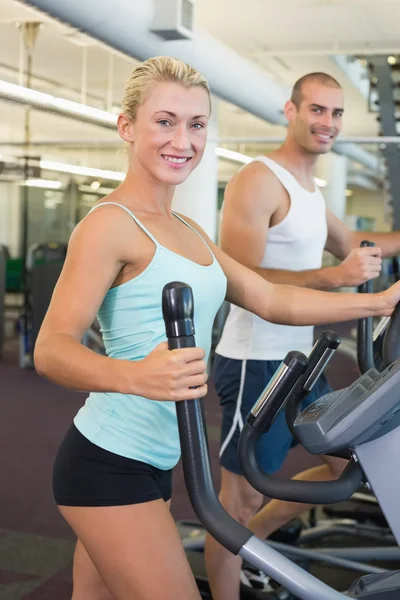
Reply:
x=14, y=275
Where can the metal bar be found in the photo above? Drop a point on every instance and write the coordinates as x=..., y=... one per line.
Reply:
x=332, y=51
x=298, y=581
x=84, y=74
x=354, y=530
x=223, y=140
x=318, y=556
x=358, y=139
x=374, y=553
x=110, y=82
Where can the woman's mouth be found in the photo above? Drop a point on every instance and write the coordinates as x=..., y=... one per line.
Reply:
x=176, y=161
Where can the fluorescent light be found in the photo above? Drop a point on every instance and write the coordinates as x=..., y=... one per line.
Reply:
x=99, y=190
x=49, y=165
x=43, y=183
x=43, y=101
x=17, y=93
x=243, y=158
x=231, y=155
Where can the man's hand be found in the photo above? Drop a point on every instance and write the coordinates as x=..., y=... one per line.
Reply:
x=360, y=265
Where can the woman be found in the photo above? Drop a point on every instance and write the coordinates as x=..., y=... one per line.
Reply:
x=112, y=476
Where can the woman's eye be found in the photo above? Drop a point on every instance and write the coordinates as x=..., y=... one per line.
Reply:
x=164, y=122
x=198, y=125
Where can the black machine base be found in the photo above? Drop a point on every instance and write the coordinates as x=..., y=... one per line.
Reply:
x=357, y=511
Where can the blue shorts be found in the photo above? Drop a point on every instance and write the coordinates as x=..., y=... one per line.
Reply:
x=239, y=383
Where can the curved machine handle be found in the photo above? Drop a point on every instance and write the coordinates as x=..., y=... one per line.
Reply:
x=391, y=341
x=291, y=490
x=321, y=353
x=178, y=312
x=326, y=492
x=274, y=396
x=365, y=348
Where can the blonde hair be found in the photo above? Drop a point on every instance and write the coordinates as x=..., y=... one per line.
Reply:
x=155, y=70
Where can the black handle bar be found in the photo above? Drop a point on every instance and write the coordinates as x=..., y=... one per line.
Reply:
x=365, y=347
x=178, y=310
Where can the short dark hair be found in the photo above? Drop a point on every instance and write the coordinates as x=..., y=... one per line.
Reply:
x=321, y=78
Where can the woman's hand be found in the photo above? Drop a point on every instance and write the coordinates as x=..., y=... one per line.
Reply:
x=388, y=300
x=169, y=374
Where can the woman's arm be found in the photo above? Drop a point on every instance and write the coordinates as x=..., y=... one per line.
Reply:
x=290, y=305
x=96, y=254
x=94, y=258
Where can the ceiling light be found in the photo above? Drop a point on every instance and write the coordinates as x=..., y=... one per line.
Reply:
x=348, y=193
x=43, y=183
x=391, y=60
x=42, y=101
x=320, y=182
x=100, y=190
x=95, y=185
x=231, y=155
x=48, y=165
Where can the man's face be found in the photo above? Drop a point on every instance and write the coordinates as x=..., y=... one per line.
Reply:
x=316, y=123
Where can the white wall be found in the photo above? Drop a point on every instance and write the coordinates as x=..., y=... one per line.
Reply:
x=366, y=203
x=10, y=216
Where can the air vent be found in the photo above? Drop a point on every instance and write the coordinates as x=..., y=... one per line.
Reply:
x=187, y=11
x=173, y=19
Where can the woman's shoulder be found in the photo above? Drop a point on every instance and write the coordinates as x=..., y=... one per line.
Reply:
x=107, y=223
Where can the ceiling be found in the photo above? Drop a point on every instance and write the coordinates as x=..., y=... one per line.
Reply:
x=285, y=38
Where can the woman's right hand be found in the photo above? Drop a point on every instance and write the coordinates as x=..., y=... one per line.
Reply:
x=172, y=375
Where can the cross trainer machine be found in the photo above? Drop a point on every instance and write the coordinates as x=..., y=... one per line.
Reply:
x=363, y=418
x=308, y=546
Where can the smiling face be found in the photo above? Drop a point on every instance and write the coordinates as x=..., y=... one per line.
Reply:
x=316, y=122
x=169, y=134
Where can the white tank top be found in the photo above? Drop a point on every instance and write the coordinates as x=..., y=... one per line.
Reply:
x=294, y=244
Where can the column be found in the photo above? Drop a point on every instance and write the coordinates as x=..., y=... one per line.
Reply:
x=10, y=217
x=332, y=168
x=197, y=196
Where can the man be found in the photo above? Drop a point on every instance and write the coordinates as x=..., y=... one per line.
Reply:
x=275, y=221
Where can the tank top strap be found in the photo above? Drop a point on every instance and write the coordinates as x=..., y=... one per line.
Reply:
x=193, y=229
x=151, y=236
x=286, y=178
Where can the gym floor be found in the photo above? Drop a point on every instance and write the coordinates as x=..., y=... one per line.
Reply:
x=36, y=546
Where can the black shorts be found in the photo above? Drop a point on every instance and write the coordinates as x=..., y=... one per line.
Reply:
x=86, y=475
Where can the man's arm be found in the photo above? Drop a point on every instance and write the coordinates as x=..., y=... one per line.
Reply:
x=341, y=240
x=252, y=197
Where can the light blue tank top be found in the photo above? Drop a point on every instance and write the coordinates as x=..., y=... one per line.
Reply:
x=132, y=325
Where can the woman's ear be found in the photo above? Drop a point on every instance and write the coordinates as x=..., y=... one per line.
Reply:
x=125, y=128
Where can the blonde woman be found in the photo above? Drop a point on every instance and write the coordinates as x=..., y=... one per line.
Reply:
x=112, y=475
